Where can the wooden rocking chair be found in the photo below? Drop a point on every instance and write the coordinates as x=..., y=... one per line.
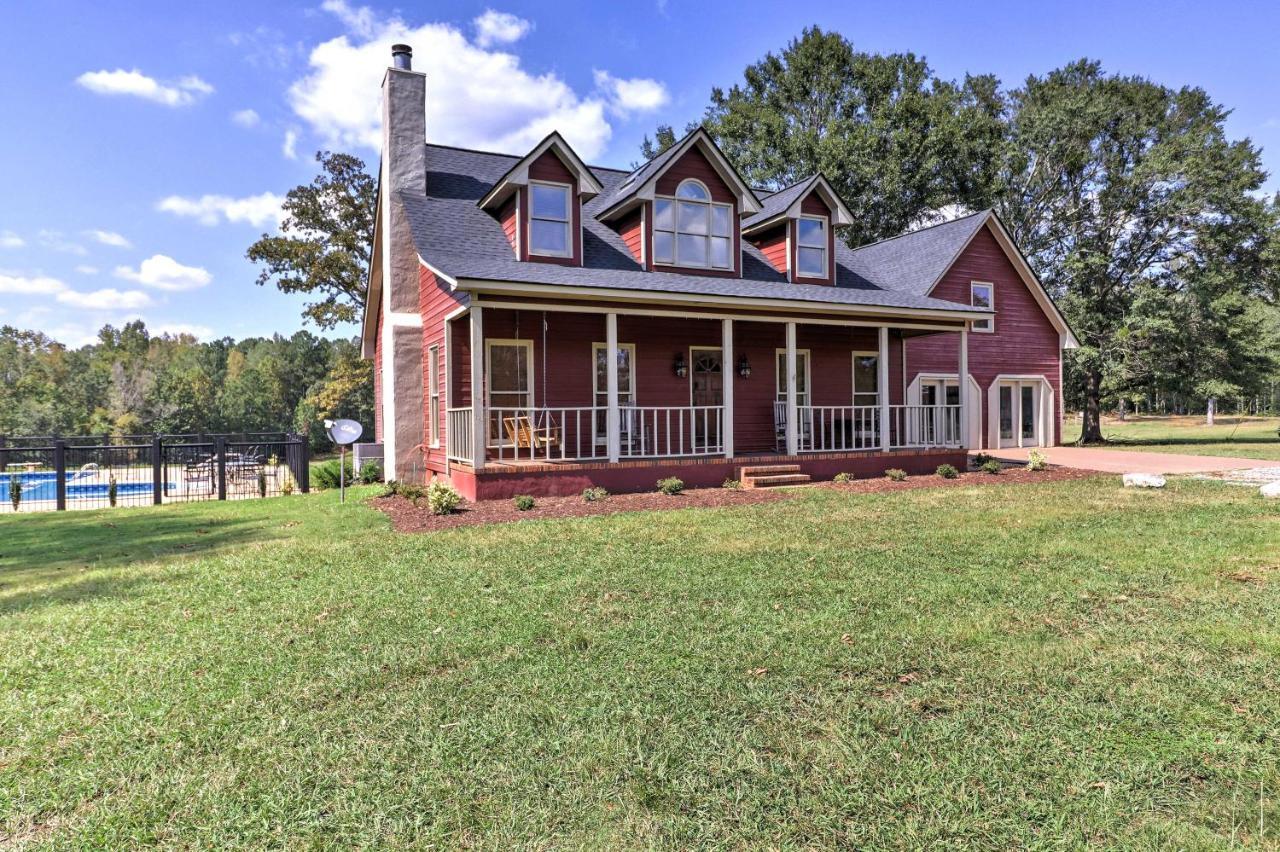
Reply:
x=525, y=436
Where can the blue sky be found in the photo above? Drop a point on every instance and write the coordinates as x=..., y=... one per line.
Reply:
x=146, y=145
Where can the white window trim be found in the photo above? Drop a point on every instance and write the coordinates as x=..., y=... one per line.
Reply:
x=826, y=247
x=675, y=201
x=596, y=391
x=780, y=390
x=494, y=440
x=853, y=374
x=568, y=221
x=433, y=393
x=991, y=323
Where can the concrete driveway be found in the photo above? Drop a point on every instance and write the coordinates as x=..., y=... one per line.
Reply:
x=1131, y=461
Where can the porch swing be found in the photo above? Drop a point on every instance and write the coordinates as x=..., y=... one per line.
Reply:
x=535, y=430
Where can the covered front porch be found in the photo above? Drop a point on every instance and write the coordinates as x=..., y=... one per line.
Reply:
x=546, y=389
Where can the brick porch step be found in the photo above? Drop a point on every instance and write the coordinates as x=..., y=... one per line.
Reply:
x=772, y=475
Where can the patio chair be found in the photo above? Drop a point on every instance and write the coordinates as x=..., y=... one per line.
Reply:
x=780, y=425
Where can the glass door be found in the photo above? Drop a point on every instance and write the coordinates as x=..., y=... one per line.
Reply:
x=1020, y=414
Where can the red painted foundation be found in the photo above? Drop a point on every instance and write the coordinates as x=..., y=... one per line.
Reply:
x=559, y=480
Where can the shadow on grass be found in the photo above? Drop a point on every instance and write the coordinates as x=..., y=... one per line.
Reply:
x=50, y=548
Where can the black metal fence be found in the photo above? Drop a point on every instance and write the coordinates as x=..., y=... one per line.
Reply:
x=135, y=470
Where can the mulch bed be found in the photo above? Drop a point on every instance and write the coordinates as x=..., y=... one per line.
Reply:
x=409, y=518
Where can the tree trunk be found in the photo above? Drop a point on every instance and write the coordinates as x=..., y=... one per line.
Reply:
x=1123, y=408
x=1209, y=411
x=1091, y=433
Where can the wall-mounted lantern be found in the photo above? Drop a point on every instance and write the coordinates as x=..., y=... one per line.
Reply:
x=681, y=368
x=744, y=367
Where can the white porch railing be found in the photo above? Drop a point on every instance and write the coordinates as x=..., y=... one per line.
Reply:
x=836, y=428
x=547, y=434
x=457, y=436
x=667, y=431
x=924, y=426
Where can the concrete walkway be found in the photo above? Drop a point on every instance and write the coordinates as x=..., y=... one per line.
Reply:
x=1131, y=461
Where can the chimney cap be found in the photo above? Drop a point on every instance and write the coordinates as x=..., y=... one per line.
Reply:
x=402, y=56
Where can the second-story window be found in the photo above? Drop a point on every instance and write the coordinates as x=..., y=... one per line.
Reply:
x=813, y=247
x=692, y=230
x=549, y=220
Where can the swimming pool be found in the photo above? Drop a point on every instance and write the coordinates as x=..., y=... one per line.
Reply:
x=44, y=486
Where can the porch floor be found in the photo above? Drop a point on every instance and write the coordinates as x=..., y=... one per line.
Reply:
x=524, y=466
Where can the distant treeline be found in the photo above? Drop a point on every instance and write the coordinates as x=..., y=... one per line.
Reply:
x=130, y=382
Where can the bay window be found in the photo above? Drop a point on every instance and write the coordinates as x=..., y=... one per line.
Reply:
x=692, y=230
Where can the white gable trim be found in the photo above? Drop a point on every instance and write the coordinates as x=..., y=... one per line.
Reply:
x=747, y=201
x=518, y=175
x=1025, y=272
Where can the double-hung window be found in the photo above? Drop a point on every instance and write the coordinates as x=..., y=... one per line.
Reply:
x=866, y=378
x=550, y=220
x=982, y=295
x=433, y=396
x=812, y=262
x=692, y=230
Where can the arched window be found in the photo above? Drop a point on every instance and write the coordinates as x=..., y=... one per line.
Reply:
x=689, y=229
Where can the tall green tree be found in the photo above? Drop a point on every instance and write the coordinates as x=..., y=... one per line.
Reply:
x=1118, y=187
x=325, y=241
x=895, y=141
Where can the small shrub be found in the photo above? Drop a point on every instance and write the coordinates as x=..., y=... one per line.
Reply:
x=947, y=471
x=326, y=473
x=390, y=488
x=842, y=478
x=732, y=485
x=1036, y=461
x=112, y=491
x=896, y=474
x=15, y=490
x=370, y=472
x=594, y=495
x=408, y=490
x=991, y=466
x=286, y=484
x=523, y=502
x=442, y=499
x=670, y=486
x=979, y=459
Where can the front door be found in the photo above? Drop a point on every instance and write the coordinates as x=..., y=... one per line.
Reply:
x=706, y=382
x=1019, y=414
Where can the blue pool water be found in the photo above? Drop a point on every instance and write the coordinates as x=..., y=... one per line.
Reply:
x=43, y=486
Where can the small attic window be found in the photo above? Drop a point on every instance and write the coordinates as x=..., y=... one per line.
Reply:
x=549, y=220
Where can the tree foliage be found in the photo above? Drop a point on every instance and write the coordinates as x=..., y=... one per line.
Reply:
x=325, y=241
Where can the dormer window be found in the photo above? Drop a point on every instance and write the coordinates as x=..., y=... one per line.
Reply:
x=549, y=219
x=692, y=230
x=812, y=262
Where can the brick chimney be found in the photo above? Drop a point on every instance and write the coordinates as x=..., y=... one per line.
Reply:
x=404, y=170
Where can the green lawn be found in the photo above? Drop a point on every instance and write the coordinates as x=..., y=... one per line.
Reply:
x=1245, y=437
x=1057, y=665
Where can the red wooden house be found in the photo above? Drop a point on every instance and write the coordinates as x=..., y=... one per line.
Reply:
x=539, y=325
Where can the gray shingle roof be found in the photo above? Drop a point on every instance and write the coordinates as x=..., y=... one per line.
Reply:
x=913, y=262
x=779, y=201
x=463, y=241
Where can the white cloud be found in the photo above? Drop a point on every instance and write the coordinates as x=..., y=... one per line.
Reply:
x=290, y=146
x=639, y=94
x=107, y=299
x=86, y=269
x=37, y=285
x=8, y=239
x=246, y=117
x=164, y=273
x=360, y=20
x=176, y=329
x=109, y=238
x=257, y=210
x=499, y=28
x=475, y=98
x=183, y=92
x=57, y=241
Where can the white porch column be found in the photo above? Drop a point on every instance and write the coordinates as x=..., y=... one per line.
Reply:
x=793, y=431
x=479, y=421
x=882, y=385
x=964, y=387
x=613, y=421
x=728, y=371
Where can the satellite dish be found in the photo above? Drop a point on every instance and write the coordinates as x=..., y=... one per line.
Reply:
x=343, y=432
